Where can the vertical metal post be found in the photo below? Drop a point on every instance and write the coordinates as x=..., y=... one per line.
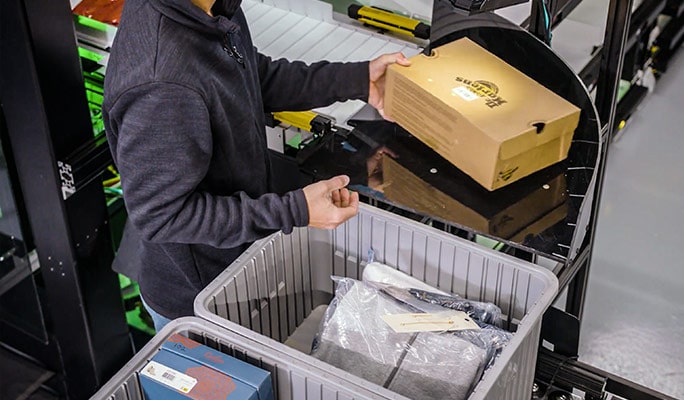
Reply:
x=43, y=100
x=617, y=27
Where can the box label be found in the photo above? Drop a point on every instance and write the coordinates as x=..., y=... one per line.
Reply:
x=425, y=322
x=484, y=89
x=464, y=93
x=169, y=377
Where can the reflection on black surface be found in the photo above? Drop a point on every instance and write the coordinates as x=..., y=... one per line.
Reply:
x=388, y=164
x=430, y=185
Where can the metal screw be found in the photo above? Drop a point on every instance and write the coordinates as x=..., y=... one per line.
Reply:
x=547, y=187
x=562, y=396
x=433, y=170
x=60, y=263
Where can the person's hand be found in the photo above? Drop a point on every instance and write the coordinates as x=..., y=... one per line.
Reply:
x=330, y=203
x=377, y=69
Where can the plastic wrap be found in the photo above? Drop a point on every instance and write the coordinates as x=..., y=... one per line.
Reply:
x=421, y=365
x=490, y=337
x=389, y=277
x=354, y=338
x=480, y=311
x=381, y=273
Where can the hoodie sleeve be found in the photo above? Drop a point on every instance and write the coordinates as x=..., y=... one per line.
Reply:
x=295, y=86
x=163, y=154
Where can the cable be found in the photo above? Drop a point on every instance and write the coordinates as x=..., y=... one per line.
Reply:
x=547, y=19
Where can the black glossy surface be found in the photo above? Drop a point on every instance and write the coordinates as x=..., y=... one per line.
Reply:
x=538, y=214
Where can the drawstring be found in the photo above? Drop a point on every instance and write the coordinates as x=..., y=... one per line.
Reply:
x=232, y=49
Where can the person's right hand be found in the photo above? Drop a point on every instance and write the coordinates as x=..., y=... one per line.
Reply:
x=330, y=203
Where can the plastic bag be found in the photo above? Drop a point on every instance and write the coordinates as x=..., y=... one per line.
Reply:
x=421, y=365
x=489, y=337
x=354, y=338
x=480, y=311
x=389, y=277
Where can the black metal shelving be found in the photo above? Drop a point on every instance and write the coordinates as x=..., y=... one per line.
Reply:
x=82, y=333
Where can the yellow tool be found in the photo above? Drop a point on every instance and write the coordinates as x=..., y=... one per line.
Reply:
x=389, y=21
x=305, y=120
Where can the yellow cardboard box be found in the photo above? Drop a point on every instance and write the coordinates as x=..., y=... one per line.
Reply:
x=484, y=116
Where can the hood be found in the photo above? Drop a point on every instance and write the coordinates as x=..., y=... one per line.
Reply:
x=187, y=14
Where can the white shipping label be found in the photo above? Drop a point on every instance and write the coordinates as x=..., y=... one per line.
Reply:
x=169, y=377
x=465, y=93
x=439, y=322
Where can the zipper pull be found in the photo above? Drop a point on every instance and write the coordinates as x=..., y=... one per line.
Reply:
x=232, y=49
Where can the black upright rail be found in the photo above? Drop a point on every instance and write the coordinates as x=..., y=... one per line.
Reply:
x=612, y=57
x=43, y=101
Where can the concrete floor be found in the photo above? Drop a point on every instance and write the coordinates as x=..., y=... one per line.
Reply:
x=634, y=315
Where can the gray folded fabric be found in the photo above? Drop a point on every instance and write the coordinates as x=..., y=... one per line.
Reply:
x=351, y=361
x=425, y=365
x=355, y=338
x=439, y=366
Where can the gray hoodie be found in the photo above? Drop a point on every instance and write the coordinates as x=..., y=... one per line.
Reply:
x=185, y=97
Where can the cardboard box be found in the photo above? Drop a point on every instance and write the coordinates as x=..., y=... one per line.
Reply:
x=487, y=118
x=248, y=374
x=169, y=376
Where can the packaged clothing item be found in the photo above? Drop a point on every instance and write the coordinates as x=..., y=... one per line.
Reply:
x=419, y=365
x=354, y=338
x=394, y=281
x=439, y=366
x=485, y=312
x=169, y=376
x=257, y=378
x=490, y=336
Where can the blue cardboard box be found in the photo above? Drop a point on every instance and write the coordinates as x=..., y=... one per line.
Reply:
x=239, y=370
x=169, y=376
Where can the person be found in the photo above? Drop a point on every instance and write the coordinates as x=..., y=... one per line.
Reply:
x=185, y=97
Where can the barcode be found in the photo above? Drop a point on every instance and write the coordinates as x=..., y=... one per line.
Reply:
x=168, y=376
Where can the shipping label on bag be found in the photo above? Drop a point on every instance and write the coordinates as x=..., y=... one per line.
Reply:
x=425, y=322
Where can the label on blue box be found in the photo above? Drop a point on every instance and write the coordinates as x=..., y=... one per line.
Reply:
x=239, y=370
x=169, y=376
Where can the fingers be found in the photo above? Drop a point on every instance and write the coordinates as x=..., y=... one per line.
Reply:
x=337, y=182
x=330, y=203
x=387, y=150
x=402, y=60
x=378, y=66
x=351, y=210
x=398, y=58
x=336, y=199
x=344, y=197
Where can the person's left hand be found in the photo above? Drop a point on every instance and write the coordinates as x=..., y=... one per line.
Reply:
x=377, y=69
